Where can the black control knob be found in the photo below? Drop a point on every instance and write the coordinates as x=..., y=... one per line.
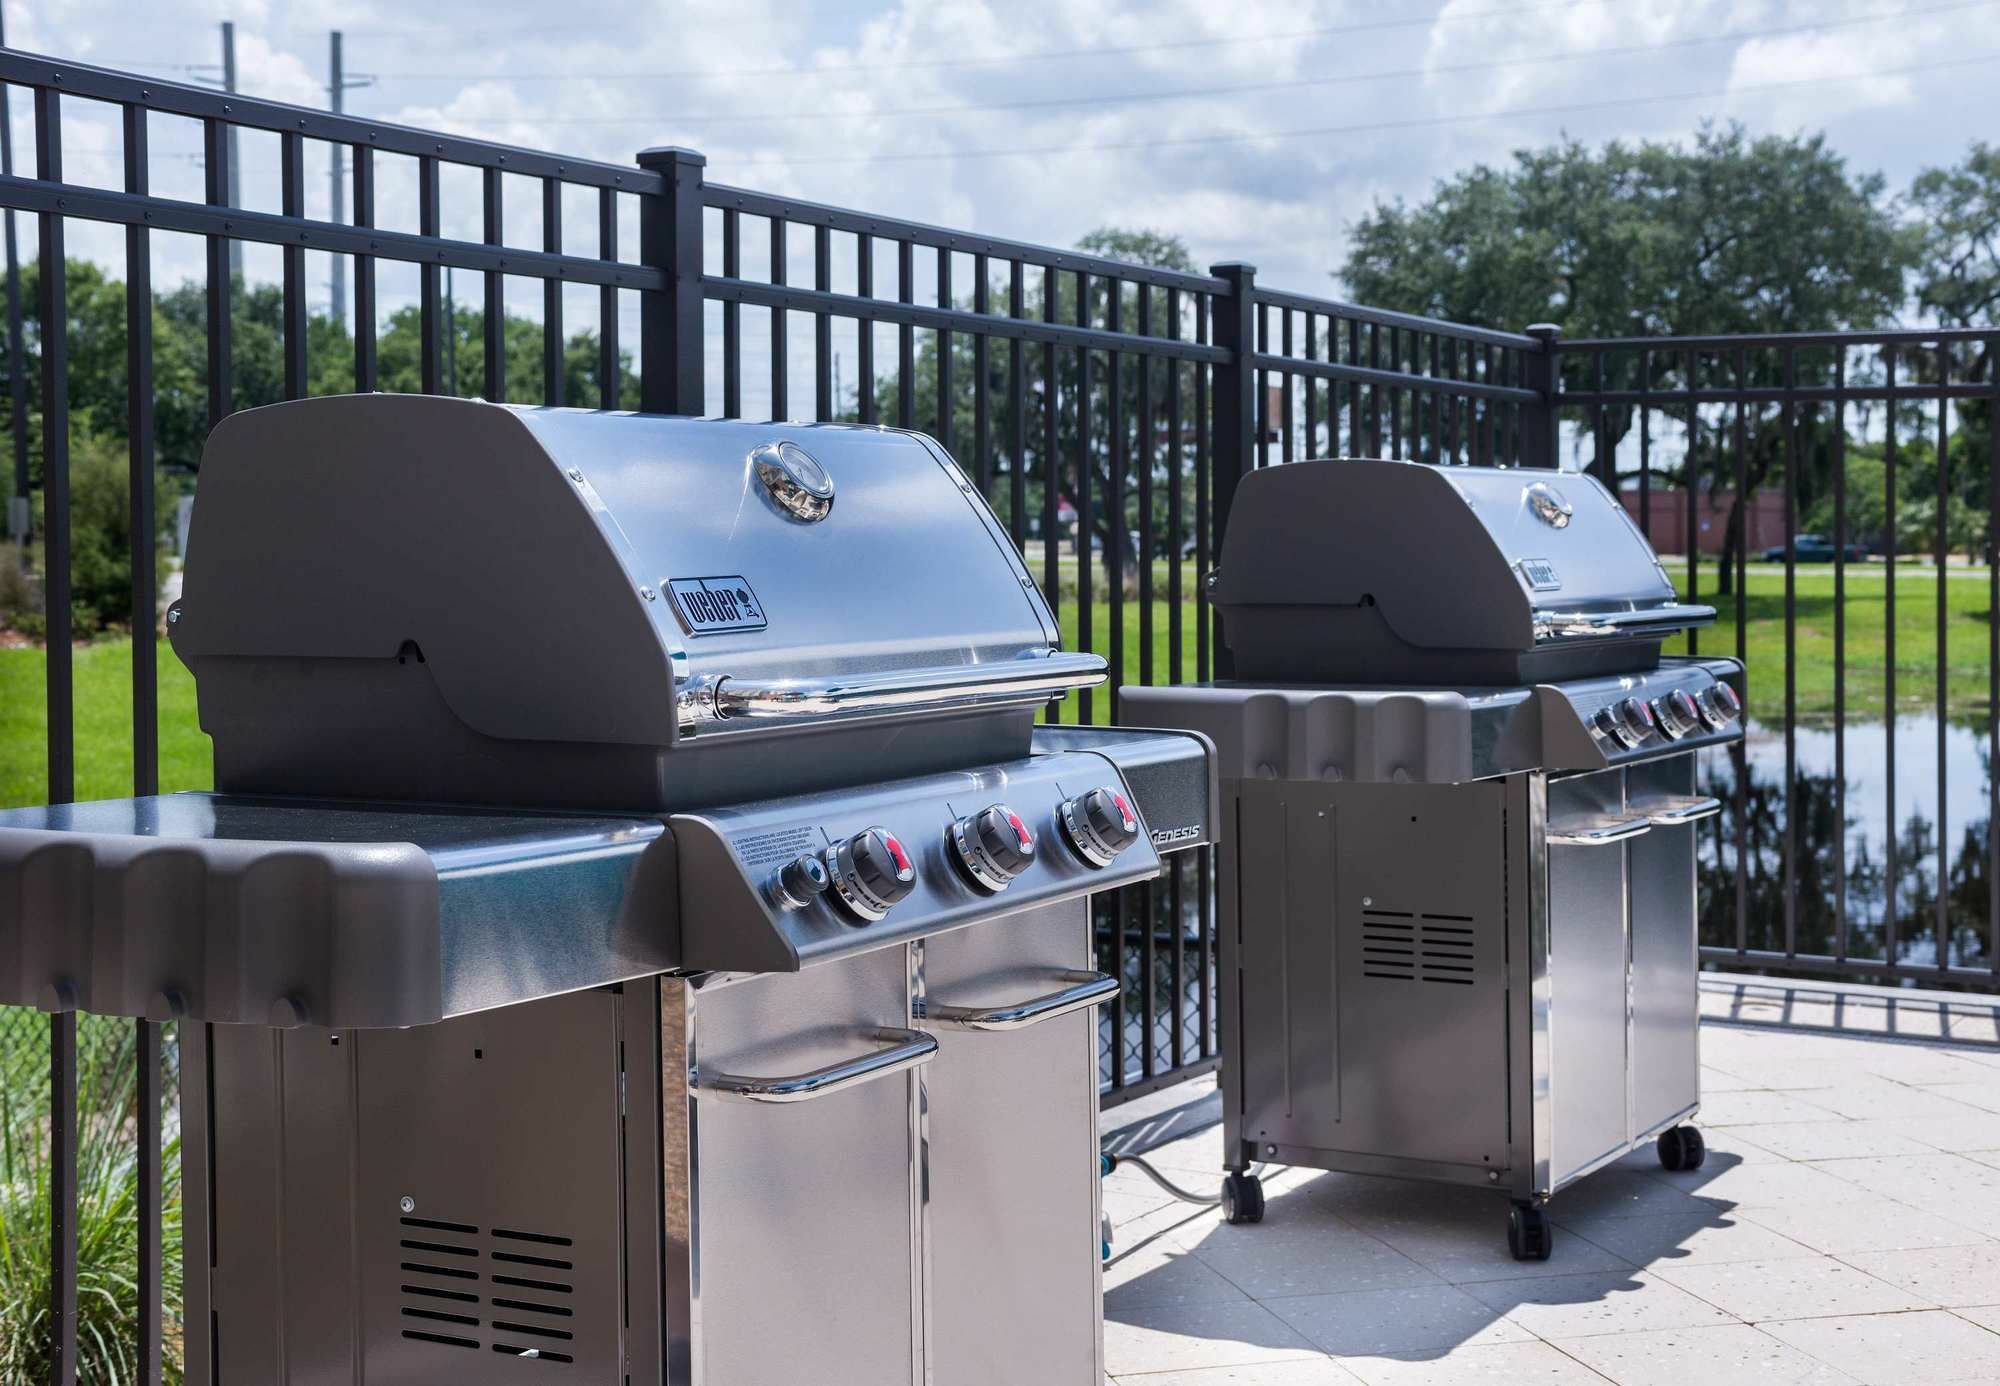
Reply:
x=1612, y=728
x=1099, y=825
x=1720, y=706
x=871, y=871
x=994, y=846
x=800, y=882
x=1677, y=713
x=1639, y=717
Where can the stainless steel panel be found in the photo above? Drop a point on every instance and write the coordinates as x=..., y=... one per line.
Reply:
x=801, y=1213
x=906, y=571
x=1375, y=986
x=246, y=1251
x=1666, y=1002
x=1015, y=1288
x=1420, y=977
x=502, y=1131
x=488, y=1158
x=1589, y=944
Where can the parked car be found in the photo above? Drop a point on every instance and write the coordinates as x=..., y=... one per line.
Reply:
x=1814, y=548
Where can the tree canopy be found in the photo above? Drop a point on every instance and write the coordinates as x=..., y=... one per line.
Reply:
x=1727, y=235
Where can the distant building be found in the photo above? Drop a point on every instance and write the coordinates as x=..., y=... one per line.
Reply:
x=1667, y=518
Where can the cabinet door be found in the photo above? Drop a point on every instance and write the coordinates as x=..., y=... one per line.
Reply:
x=805, y=1210
x=1589, y=945
x=1014, y=1264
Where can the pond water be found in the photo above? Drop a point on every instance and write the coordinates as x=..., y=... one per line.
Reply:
x=1869, y=824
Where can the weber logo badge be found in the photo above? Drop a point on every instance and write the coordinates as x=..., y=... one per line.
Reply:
x=1540, y=573
x=714, y=605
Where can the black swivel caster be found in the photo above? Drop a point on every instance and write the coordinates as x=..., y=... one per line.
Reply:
x=1681, y=1147
x=1529, y=1235
x=1242, y=1198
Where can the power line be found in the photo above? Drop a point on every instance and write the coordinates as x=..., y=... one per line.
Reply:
x=1248, y=88
x=1437, y=17
x=1372, y=127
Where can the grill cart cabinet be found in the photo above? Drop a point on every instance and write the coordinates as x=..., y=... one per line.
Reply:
x=1457, y=917
x=641, y=935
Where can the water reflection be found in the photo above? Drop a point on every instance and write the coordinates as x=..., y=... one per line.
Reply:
x=1871, y=838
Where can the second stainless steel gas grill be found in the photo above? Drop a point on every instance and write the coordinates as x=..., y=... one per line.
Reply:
x=1458, y=859
x=641, y=935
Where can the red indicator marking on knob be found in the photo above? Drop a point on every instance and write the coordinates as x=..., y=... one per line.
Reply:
x=1020, y=830
x=1124, y=810
x=896, y=850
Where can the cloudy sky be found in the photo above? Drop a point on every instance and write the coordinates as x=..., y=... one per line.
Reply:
x=1256, y=130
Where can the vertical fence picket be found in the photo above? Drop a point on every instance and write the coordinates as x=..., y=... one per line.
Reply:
x=554, y=373
x=140, y=445
x=610, y=362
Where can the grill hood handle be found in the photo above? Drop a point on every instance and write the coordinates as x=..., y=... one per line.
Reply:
x=710, y=698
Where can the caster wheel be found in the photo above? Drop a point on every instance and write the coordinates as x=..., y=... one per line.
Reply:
x=1529, y=1235
x=1681, y=1147
x=1242, y=1198
x=1104, y=1239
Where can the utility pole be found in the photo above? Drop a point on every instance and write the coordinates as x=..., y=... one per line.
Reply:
x=338, y=84
x=17, y=378
x=235, y=162
x=228, y=84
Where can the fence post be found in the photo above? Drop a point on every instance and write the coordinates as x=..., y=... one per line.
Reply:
x=1540, y=431
x=1235, y=412
x=672, y=362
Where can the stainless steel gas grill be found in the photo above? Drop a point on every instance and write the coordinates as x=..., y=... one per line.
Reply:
x=640, y=934
x=1458, y=854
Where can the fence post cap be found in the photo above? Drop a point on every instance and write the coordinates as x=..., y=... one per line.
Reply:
x=661, y=155
x=1229, y=269
x=1547, y=331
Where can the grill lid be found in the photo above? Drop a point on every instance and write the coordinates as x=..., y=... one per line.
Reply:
x=1377, y=571
x=410, y=576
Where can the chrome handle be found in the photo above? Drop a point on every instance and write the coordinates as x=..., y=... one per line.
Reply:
x=1596, y=831
x=1085, y=989
x=907, y=1049
x=1033, y=679
x=1585, y=625
x=1679, y=809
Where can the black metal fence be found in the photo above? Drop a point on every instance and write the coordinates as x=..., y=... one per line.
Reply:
x=1107, y=410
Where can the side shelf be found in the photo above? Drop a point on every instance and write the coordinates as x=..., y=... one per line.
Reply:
x=292, y=912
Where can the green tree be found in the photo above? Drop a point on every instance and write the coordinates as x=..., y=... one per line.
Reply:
x=1958, y=283
x=1114, y=525
x=1729, y=235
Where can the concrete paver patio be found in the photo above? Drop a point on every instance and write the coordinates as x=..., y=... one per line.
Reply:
x=1845, y=1229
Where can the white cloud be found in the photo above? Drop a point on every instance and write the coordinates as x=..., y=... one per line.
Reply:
x=483, y=68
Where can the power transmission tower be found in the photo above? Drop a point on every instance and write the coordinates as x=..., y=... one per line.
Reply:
x=338, y=84
x=17, y=379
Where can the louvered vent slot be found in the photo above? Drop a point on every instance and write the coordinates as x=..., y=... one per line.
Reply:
x=440, y=1266
x=1389, y=945
x=1447, y=949
x=530, y=1275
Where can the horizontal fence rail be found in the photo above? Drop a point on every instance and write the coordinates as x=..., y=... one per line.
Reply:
x=1105, y=409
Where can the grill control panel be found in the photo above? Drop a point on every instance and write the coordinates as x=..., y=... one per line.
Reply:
x=1681, y=703
x=787, y=882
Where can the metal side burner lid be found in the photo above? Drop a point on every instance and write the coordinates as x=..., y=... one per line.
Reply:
x=1441, y=559
x=567, y=575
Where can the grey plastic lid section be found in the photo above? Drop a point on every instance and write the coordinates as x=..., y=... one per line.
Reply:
x=1363, y=570
x=1368, y=735
x=287, y=912
x=1422, y=735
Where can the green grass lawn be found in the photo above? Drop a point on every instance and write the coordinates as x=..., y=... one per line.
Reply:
x=1967, y=620
x=103, y=725
x=104, y=673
